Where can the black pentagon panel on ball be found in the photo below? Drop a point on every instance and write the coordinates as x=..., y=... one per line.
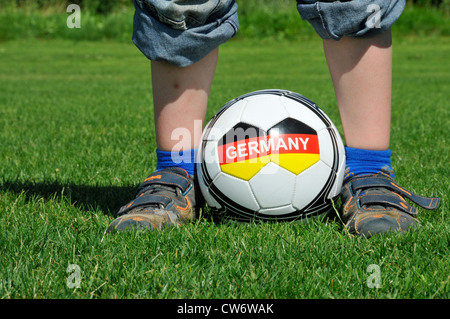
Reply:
x=240, y=132
x=291, y=126
x=295, y=145
x=240, y=153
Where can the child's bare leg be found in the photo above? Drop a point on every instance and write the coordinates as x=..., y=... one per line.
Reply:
x=181, y=38
x=361, y=70
x=180, y=96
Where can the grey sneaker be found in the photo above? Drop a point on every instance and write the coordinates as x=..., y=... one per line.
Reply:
x=375, y=204
x=165, y=198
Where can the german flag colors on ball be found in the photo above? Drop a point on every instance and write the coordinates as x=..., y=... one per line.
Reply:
x=245, y=149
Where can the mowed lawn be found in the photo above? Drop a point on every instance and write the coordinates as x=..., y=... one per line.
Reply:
x=77, y=137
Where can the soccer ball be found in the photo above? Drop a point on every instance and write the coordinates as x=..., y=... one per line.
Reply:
x=270, y=155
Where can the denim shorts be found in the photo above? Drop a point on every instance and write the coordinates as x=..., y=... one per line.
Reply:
x=352, y=18
x=182, y=32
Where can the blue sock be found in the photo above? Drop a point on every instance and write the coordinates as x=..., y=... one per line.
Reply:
x=183, y=159
x=362, y=162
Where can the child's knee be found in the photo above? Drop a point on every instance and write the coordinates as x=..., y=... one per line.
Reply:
x=353, y=18
x=180, y=32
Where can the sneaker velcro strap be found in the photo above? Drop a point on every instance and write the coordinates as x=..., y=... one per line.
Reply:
x=374, y=181
x=146, y=200
x=387, y=200
x=166, y=178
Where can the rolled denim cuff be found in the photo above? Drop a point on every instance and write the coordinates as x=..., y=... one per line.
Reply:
x=356, y=18
x=159, y=41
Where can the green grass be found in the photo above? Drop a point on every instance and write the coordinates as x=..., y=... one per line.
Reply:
x=275, y=19
x=76, y=137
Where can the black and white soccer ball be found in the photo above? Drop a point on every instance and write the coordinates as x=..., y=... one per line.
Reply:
x=270, y=155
